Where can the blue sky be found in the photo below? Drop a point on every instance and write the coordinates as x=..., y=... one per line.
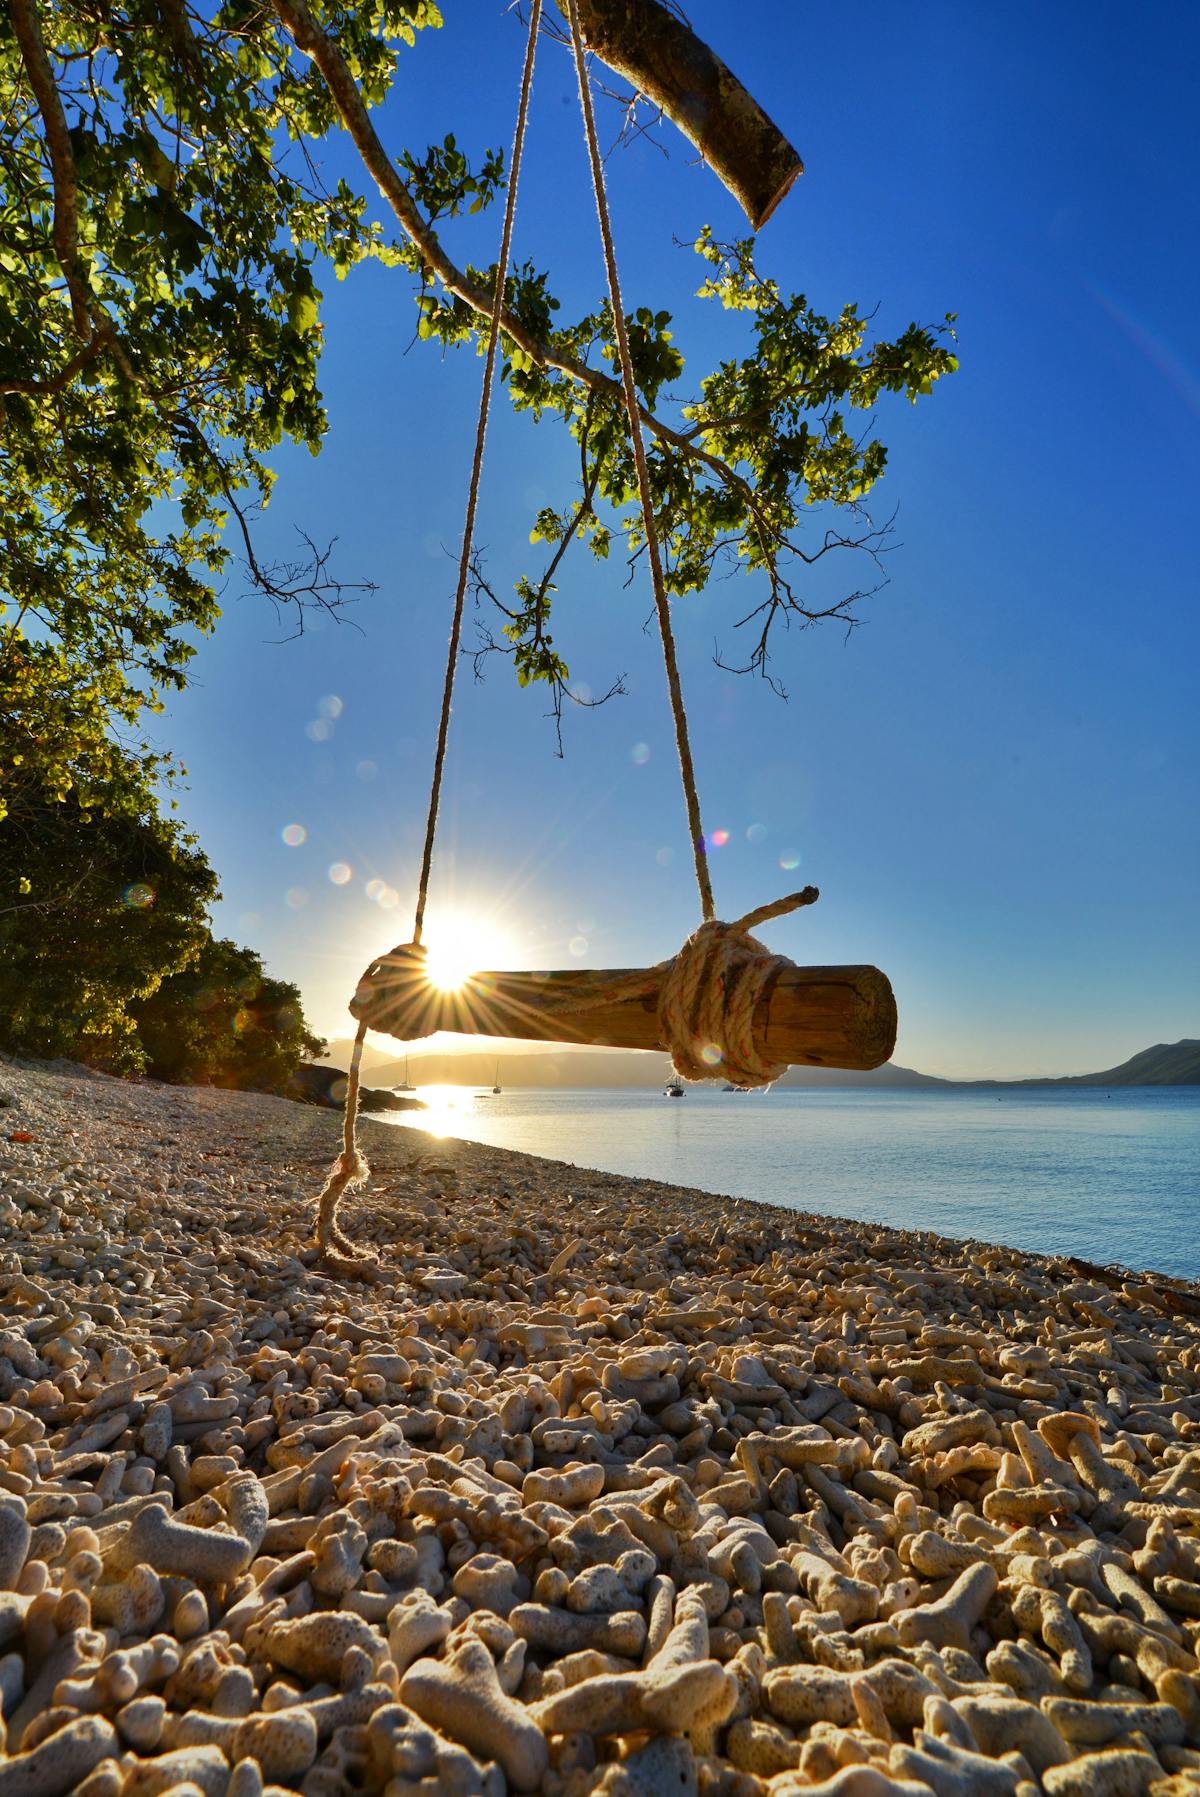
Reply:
x=994, y=781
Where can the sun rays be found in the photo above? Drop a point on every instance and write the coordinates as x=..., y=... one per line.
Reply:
x=460, y=944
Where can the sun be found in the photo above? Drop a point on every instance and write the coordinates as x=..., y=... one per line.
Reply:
x=461, y=944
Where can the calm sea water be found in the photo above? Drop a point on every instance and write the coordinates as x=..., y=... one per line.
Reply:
x=1112, y=1176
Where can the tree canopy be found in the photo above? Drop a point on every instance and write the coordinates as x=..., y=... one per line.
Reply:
x=106, y=954
x=101, y=897
x=222, y=1021
x=164, y=230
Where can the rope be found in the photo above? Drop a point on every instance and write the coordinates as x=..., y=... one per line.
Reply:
x=351, y=1168
x=646, y=498
x=348, y=1171
x=711, y=992
x=485, y=404
x=711, y=988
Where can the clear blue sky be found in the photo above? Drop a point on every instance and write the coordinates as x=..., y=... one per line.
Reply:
x=994, y=781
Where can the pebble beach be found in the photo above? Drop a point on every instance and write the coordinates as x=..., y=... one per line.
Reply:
x=588, y=1485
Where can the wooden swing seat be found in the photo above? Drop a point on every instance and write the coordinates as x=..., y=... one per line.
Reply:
x=807, y=1016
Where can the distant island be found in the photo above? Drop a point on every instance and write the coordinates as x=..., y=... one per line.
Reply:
x=1166, y=1064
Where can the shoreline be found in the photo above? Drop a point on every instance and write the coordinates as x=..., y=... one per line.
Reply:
x=607, y=1480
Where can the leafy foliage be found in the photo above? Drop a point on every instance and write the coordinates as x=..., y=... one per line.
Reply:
x=105, y=950
x=159, y=329
x=766, y=441
x=163, y=225
x=222, y=1021
x=100, y=897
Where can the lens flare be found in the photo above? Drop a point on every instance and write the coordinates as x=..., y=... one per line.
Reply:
x=756, y=833
x=640, y=754
x=138, y=897
x=296, y=897
x=340, y=872
x=294, y=835
x=718, y=839
x=331, y=706
x=789, y=859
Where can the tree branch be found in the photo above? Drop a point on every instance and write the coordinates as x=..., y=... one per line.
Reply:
x=315, y=43
x=662, y=58
x=28, y=32
x=175, y=20
x=56, y=382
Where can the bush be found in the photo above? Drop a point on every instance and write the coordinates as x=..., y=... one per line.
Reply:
x=97, y=907
x=223, y=1022
x=106, y=955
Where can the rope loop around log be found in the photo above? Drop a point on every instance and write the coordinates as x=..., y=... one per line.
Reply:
x=712, y=991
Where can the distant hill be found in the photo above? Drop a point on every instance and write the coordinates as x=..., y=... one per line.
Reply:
x=889, y=1077
x=1167, y=1064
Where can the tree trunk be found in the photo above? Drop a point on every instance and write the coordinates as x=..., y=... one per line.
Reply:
x=813, y=1016
x=646, y=44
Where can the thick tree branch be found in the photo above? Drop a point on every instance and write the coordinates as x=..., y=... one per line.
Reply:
x=28, y=32
x=314, y=42
x=652, y=49
x=55, y=383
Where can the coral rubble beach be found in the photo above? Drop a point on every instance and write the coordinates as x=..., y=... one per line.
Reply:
x=603, y=1486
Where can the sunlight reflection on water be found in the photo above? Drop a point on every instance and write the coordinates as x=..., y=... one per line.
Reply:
x=1111, y=1176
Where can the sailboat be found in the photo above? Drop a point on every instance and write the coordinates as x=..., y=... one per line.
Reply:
x=404, y=1085
x=674, y=1085
x=496, y=1089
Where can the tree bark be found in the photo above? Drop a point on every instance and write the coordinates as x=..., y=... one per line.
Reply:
x=27, y=30
x=652, y=49
x=810, y=1016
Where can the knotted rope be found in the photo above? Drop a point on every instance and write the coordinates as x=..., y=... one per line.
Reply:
x=708, y=995
x=712, y=990
x=351, y=1168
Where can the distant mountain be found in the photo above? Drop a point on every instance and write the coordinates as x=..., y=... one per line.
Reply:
x=1167, y=1064
x=888, y=1077
x=564, y=1068
x=338, y=1055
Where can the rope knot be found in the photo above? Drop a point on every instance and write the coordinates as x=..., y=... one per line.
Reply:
x=351, y=1169
x=712, y=991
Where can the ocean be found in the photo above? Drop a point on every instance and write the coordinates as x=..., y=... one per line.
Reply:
x=1112, y=1176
